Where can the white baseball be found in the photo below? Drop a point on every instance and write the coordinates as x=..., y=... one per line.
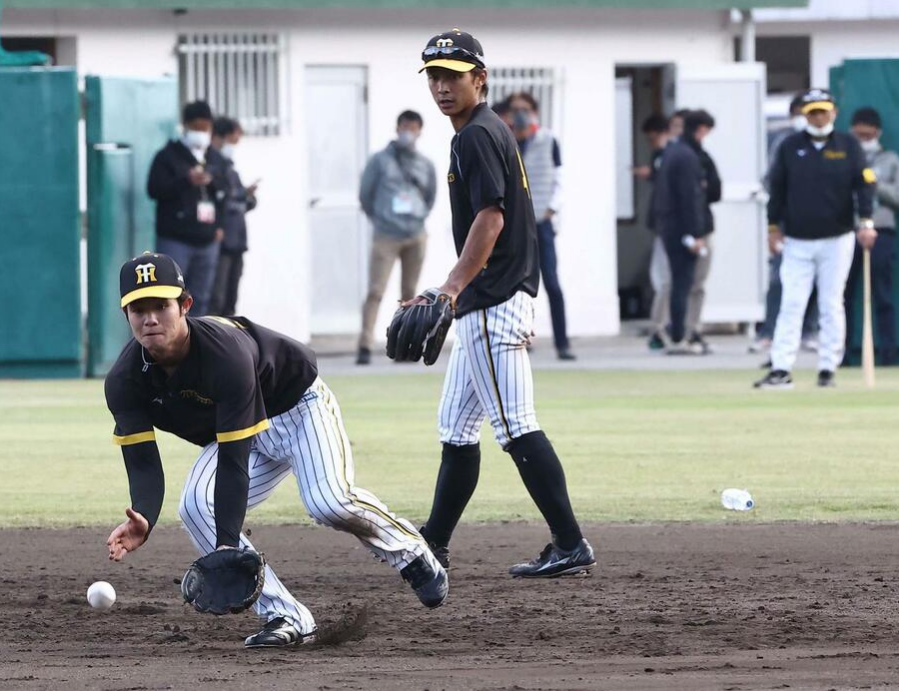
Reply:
x=101, y=595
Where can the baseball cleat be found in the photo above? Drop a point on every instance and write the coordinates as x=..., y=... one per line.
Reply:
x=825, y=379
x=278, y=633
x=441, y=553
x=554, y=561
x=428, y=580
x=776, y=379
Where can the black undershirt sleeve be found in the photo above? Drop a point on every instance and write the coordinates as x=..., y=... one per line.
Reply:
x=146, y=479
x=232, y=483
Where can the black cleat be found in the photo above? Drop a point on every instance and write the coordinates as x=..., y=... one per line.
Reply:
x=363, y=357
x=776, y=379
x=440, y=552
x=429, y=583
x=554, y=562
x=566, y=354
x=278, y=633
x=825, y=379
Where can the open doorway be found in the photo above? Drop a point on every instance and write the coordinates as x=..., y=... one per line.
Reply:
x=639, y=92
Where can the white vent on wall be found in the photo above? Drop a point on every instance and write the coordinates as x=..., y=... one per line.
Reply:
x=242, y=76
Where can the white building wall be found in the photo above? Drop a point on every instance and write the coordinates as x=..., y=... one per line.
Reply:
x=585, y=45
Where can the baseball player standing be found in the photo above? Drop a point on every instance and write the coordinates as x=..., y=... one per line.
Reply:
x=819, y=184
x=253, y=400
x=493, y=284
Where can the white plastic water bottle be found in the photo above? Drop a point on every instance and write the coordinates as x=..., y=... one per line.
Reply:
x=737, y=500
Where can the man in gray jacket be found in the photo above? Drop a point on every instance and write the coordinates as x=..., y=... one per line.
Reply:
x=397, y=193
x=866, y=126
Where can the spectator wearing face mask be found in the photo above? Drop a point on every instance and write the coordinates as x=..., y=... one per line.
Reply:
x=543, y=162
x=866, y=126
x=821, y=191
x=765, y=330
x=238, y=201
x=397, y=193
x=188, y=206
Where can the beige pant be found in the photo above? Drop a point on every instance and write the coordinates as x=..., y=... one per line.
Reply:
x=385, y=251
x=697, y=293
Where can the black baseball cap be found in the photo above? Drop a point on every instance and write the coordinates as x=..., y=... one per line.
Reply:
x=455, y=50
x=150, y=276
x=817, y=99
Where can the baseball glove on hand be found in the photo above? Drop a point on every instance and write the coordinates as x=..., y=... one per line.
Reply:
x=226, y=581
x=420, y=330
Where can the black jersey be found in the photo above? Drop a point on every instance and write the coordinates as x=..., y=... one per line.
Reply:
x=486, y=170
x=235, y=377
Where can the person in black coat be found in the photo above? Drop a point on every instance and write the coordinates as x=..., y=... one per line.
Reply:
x=711, y=183
x=238, y=200
x=189, y=204
x=680, y=217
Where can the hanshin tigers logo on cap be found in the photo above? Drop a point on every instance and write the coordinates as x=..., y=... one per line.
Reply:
x=150, y=275
x=146, y=273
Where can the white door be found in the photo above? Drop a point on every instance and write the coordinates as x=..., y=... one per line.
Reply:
x=336, y=133
x=735, y=95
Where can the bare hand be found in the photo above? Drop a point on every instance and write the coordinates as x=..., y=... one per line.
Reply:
x=251, y=190
x=549, y=215
x=866, y=237
x=199, y=177
x=219, y=234
x=128, y=536
x=642, y=172
x=698, y=246
x=775, y=240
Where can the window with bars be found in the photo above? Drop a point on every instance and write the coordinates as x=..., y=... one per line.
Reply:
x=541, y=82
x=239, y=75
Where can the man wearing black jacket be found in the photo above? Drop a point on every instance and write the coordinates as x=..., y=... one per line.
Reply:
x=819, y=184
x=189, y=205
x=703, y=123
x=680, y=217
x=226, y=134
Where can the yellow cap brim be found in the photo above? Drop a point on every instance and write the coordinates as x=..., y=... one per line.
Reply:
x=817, y=105
x=151, y=292
x=454, y=65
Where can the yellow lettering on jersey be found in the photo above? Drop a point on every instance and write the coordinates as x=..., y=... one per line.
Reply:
x=524, y=175
x=834, y=155
x=195, y=396
x=869, y=175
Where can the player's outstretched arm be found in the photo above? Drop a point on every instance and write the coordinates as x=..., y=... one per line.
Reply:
x=128, y=536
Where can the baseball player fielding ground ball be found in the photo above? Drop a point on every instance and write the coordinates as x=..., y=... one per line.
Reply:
x=492, y=288
x=252, y=399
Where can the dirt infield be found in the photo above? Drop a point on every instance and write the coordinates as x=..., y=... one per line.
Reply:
x=671, y=607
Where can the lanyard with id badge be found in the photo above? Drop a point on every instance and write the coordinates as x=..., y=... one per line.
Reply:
x=205, y=207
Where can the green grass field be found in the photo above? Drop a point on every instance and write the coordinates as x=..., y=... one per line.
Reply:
x=636, y=447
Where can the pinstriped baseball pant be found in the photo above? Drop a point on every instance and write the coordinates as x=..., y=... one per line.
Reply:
x=489, y=375
x=308, y=441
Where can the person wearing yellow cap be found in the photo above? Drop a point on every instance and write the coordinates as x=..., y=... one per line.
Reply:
x=820, y=184
x=493, y=284
x=253, y=400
